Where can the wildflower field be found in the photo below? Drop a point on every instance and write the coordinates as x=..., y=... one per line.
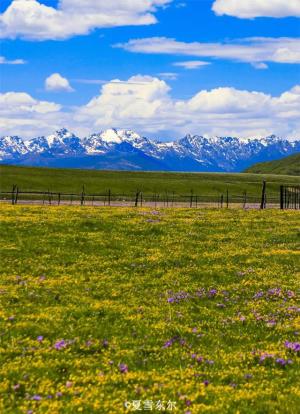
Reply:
x=115, y=310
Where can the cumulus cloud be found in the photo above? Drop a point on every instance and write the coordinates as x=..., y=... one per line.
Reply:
x=247, y=9
x=255, y=49
x=4, y=61
x=33, y=20
x=144, y=103
x=57, y=83
x=191, y=64
x=21, y=114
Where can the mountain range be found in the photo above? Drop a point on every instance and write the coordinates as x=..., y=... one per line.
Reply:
x=121, y=149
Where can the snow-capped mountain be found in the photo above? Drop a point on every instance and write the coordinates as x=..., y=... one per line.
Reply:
x=125, y=149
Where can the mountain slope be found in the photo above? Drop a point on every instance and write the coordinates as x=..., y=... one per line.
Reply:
x=287, y=165
x=127, y=150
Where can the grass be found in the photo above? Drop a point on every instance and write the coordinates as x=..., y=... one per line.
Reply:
x=66, y=180
x=288, y=165
x=101, y=306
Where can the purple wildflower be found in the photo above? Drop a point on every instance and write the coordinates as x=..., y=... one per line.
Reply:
x=283, y=362
x=36, y=397
x=293, y=346
x=265, y=356
x=206, y=383
x=60, y=344
x=40, y=338
x=59, y=394
x=212, y=293
x=16, y=387
x=170, y=342
x=105, y=343
x=123, y=368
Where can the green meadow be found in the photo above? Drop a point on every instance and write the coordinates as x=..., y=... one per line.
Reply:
x=119, y=182
x=117, y=310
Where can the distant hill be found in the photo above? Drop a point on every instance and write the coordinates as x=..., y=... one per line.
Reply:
x=287, y=166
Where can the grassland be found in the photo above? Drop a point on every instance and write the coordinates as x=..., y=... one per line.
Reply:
x=103, y=306
x=119, y=182
x=288, y=165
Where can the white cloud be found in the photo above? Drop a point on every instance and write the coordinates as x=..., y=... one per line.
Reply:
x=21, y=114
x=144, y=103
x=259, y=65
x=57, y=83
x=256, y=49
x=4, y=61
x=168, y=75
x=191, y=64
x=248, y=9
x=33, y=20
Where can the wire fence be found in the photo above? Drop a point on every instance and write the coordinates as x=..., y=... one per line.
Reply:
x=287, y=197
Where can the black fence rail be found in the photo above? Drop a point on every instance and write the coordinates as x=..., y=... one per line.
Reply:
x=288, y=197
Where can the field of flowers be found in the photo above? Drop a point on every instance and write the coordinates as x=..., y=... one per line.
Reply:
x=122, y=310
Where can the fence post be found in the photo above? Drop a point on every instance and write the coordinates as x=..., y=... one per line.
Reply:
x=136, y=198
x=141, y=199
x=82, y=196
x=281, y=197
x=191, y=200
x=58, y=202
x=49, y=197
x=263, y=196
x=227, y=198
x=222, y=200
x=13, y=194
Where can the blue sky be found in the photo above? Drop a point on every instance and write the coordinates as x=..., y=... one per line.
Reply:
x=181, y=31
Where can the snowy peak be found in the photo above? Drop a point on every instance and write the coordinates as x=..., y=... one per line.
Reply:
x=12, y=146
x=191, y=153
x=108, y=139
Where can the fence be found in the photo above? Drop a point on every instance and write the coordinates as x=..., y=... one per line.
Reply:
x=289, y=197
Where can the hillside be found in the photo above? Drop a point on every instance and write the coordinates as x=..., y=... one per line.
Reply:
x=287, y=166
x=119, y=182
